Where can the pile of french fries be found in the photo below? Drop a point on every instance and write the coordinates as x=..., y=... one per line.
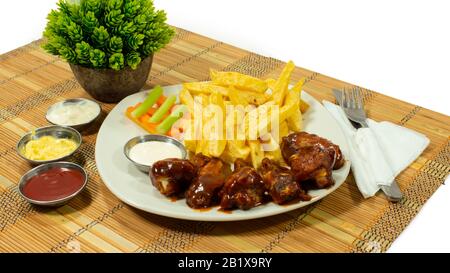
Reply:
x=232, y=88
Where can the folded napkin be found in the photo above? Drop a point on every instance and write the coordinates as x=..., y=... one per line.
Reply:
x=378, y=153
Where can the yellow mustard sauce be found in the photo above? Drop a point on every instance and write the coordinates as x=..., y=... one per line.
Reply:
x=48, y=148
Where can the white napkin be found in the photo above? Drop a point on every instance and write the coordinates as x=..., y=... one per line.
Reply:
x=378, y=153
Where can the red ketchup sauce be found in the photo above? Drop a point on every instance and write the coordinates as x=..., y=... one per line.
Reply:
x=53, y=184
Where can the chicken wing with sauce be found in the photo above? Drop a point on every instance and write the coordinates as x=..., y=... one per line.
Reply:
x=312, y=163
x=280, y=183
x=203, y=192
x=243, y=189
x=199, y=160
x=172, y=176
x=295, y=142
x=311, y=158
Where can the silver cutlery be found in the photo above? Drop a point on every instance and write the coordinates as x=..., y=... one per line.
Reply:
x=352, y=103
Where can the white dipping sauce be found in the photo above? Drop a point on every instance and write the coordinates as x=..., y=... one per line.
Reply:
x=73, y=113
x=147, y=153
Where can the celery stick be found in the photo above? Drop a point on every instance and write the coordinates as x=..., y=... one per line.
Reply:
x=152, y=97
x=165, y=126
x=162, y=110
x=168, y=122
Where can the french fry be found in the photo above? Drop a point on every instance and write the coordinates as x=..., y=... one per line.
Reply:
x=190, y=145
x=253, y=98
x=275, y=152
x=217, y=99
x=266, y=124
x=198, y=132
x=217, y=146
x=272, y=148
x=187, y=99
x=197, y=88
x=236, y=145
x=203, y=99
x=303, y=106
x=193, y=123
x=286, y=111
x=235, y=98
x=274, y=155
x=227, y=156
x=271, y=83
x=256, y=153
x=268, y=142
x=294, y=120
x=238, y=80
x=234, y=150
x=298, y=89
x=202, y=147
x=280, y=87
x=284, y=130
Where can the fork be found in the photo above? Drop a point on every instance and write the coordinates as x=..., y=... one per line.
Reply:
x=352, y=103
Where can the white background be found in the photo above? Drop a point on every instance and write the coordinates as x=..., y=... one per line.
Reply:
x=398, y=48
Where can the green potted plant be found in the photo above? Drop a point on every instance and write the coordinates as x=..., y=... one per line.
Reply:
x=109, y=44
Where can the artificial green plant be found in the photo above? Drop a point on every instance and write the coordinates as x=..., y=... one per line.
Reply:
x=106, y=33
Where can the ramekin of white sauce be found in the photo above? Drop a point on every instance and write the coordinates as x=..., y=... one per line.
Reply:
x=145, y=150
x=73, y=112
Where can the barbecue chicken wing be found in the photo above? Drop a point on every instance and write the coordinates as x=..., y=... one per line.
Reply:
x=312, y=164
x=203, y=192
x=172, y=176
x=199, y=160
x=280, y=183
x=294, y=142
x=311, y=158
x=243, y=189
x=240, y=163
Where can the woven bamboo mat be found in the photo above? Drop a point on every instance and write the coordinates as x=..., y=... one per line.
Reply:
x=96, y=221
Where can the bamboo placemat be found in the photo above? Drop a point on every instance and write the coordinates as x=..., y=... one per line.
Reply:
x=96, y=221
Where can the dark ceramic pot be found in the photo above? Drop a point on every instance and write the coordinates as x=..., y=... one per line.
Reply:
x=108, y=85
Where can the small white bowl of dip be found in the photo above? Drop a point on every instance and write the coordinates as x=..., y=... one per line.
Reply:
x=78, y=113
x=144, y=151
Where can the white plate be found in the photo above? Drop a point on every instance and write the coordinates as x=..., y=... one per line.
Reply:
x=134, y=187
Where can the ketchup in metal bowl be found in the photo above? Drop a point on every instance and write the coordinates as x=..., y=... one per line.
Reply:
x=53, y=183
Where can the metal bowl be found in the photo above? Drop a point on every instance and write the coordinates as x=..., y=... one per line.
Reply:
x=80, y=126
x=55, y=131
x=146, y=138
x=39, y=169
